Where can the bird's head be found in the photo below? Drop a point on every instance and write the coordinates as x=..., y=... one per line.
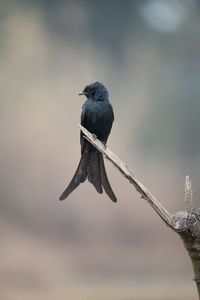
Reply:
x=95, y=91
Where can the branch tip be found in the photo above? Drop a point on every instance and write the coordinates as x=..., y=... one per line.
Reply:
x=188, y=194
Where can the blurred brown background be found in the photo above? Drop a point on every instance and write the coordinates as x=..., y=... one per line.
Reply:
x=147, y=53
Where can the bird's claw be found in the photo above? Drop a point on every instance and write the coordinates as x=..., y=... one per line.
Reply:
x=104, y=145
x=94, y=136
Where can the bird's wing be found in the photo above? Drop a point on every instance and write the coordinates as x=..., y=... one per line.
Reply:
x=83, y=121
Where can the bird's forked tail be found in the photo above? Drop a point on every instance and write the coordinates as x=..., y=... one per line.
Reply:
x=91, y=165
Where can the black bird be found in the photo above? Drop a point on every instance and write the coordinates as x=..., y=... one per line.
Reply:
x=97, y=117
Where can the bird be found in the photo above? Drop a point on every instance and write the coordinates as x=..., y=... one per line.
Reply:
x=97, y=117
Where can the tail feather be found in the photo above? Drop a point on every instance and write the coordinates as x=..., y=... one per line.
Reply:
x=94, y=176
x=104, y=180
x=80, y=174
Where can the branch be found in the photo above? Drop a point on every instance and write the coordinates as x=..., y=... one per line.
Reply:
x=124, y=169
x=186, y=223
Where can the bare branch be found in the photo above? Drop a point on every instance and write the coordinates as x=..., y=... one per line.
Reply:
x=124, y=169
x=185, y=223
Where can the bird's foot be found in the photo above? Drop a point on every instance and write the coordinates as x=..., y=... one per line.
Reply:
x=104, y=145
x=94, y=136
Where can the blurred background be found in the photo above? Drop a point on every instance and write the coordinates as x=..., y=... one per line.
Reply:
x=147, y=53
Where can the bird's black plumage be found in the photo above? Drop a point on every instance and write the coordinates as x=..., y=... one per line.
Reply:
x=97, y=117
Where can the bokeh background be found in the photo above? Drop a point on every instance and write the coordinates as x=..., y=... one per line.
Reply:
x=147, y=53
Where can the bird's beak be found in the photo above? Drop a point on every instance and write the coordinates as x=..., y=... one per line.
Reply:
x=81, y=93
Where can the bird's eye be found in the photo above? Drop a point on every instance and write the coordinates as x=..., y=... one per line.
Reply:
x=92, y=92
x=89, y=91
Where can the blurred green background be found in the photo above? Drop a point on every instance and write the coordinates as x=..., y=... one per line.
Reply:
x=147, y=53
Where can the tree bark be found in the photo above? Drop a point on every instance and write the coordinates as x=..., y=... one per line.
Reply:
x=185, y=223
